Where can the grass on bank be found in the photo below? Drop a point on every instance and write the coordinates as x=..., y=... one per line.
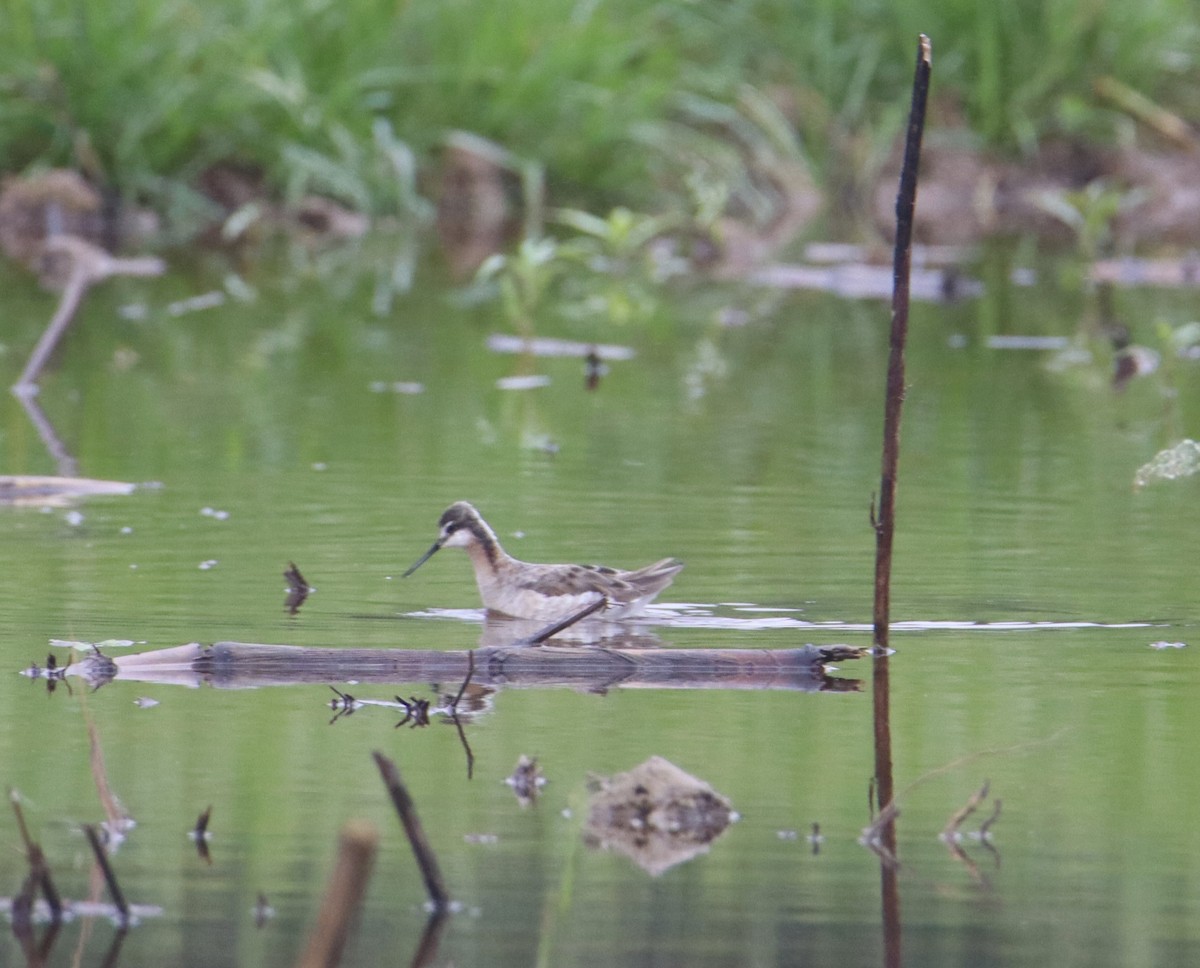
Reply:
x=620, y=101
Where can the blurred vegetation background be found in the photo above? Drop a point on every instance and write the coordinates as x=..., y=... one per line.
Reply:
x=659, y=106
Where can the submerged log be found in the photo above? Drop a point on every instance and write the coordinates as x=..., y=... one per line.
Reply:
x=244, y=664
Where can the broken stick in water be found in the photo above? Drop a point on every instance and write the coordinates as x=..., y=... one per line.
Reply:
x=538, y=638
x=435, y=887
x=110, y=877
x=39, y=870
x=357, y=845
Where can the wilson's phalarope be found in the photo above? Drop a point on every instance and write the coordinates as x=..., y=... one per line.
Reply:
x=544, y=592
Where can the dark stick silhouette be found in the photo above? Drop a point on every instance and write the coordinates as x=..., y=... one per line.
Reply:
x=435, y=887
x=110, y=877
x=886, y=521
x=902, y=266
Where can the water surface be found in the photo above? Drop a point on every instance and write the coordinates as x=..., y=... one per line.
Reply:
x=1031, y=577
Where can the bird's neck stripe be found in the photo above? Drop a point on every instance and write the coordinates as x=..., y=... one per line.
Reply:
x=487, y=541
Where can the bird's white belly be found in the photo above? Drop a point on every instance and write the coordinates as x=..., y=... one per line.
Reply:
x=524, y=603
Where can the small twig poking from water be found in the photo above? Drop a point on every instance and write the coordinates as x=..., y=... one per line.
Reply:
x=89, y=265
x=951, y=837
x=297, y=589
x=343, y=704
x=816, y=838
x=880, y=835
x=344, y=892
x=984, y=835
x=435, y=887
x=950, y=831
x=462, y=738
x=986, y=826
x=538, y=638
x=200, y=835
x=594, y=369
x=416, y=712
x=965, y=859
x=263, y=912
x=110, y=877
x=53, y=673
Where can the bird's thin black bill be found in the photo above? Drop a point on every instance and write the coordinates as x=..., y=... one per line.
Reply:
x=424, y=558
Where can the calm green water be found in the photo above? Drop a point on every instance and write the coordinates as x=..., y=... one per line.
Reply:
x=1033, y=575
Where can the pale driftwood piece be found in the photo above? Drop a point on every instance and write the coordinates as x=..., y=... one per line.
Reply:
x=64, y=462
x=52, y=491
x=244, y=665
x=89, y=264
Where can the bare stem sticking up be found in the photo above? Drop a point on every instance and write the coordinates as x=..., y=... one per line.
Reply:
x=902, y=265
x=435, y=887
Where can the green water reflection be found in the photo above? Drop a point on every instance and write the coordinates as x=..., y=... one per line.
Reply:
x=751, y=453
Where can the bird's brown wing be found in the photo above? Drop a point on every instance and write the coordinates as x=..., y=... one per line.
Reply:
x=578, y=580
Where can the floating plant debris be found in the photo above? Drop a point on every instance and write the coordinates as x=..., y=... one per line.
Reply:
x=546, y=346
x=532, y=382
x=1149, y=272
x=656, y=814
x=1182, y=460
x=92, y=646
x=1026, y=342
x=861, y=281
x=195, y=304
x=407, y=388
